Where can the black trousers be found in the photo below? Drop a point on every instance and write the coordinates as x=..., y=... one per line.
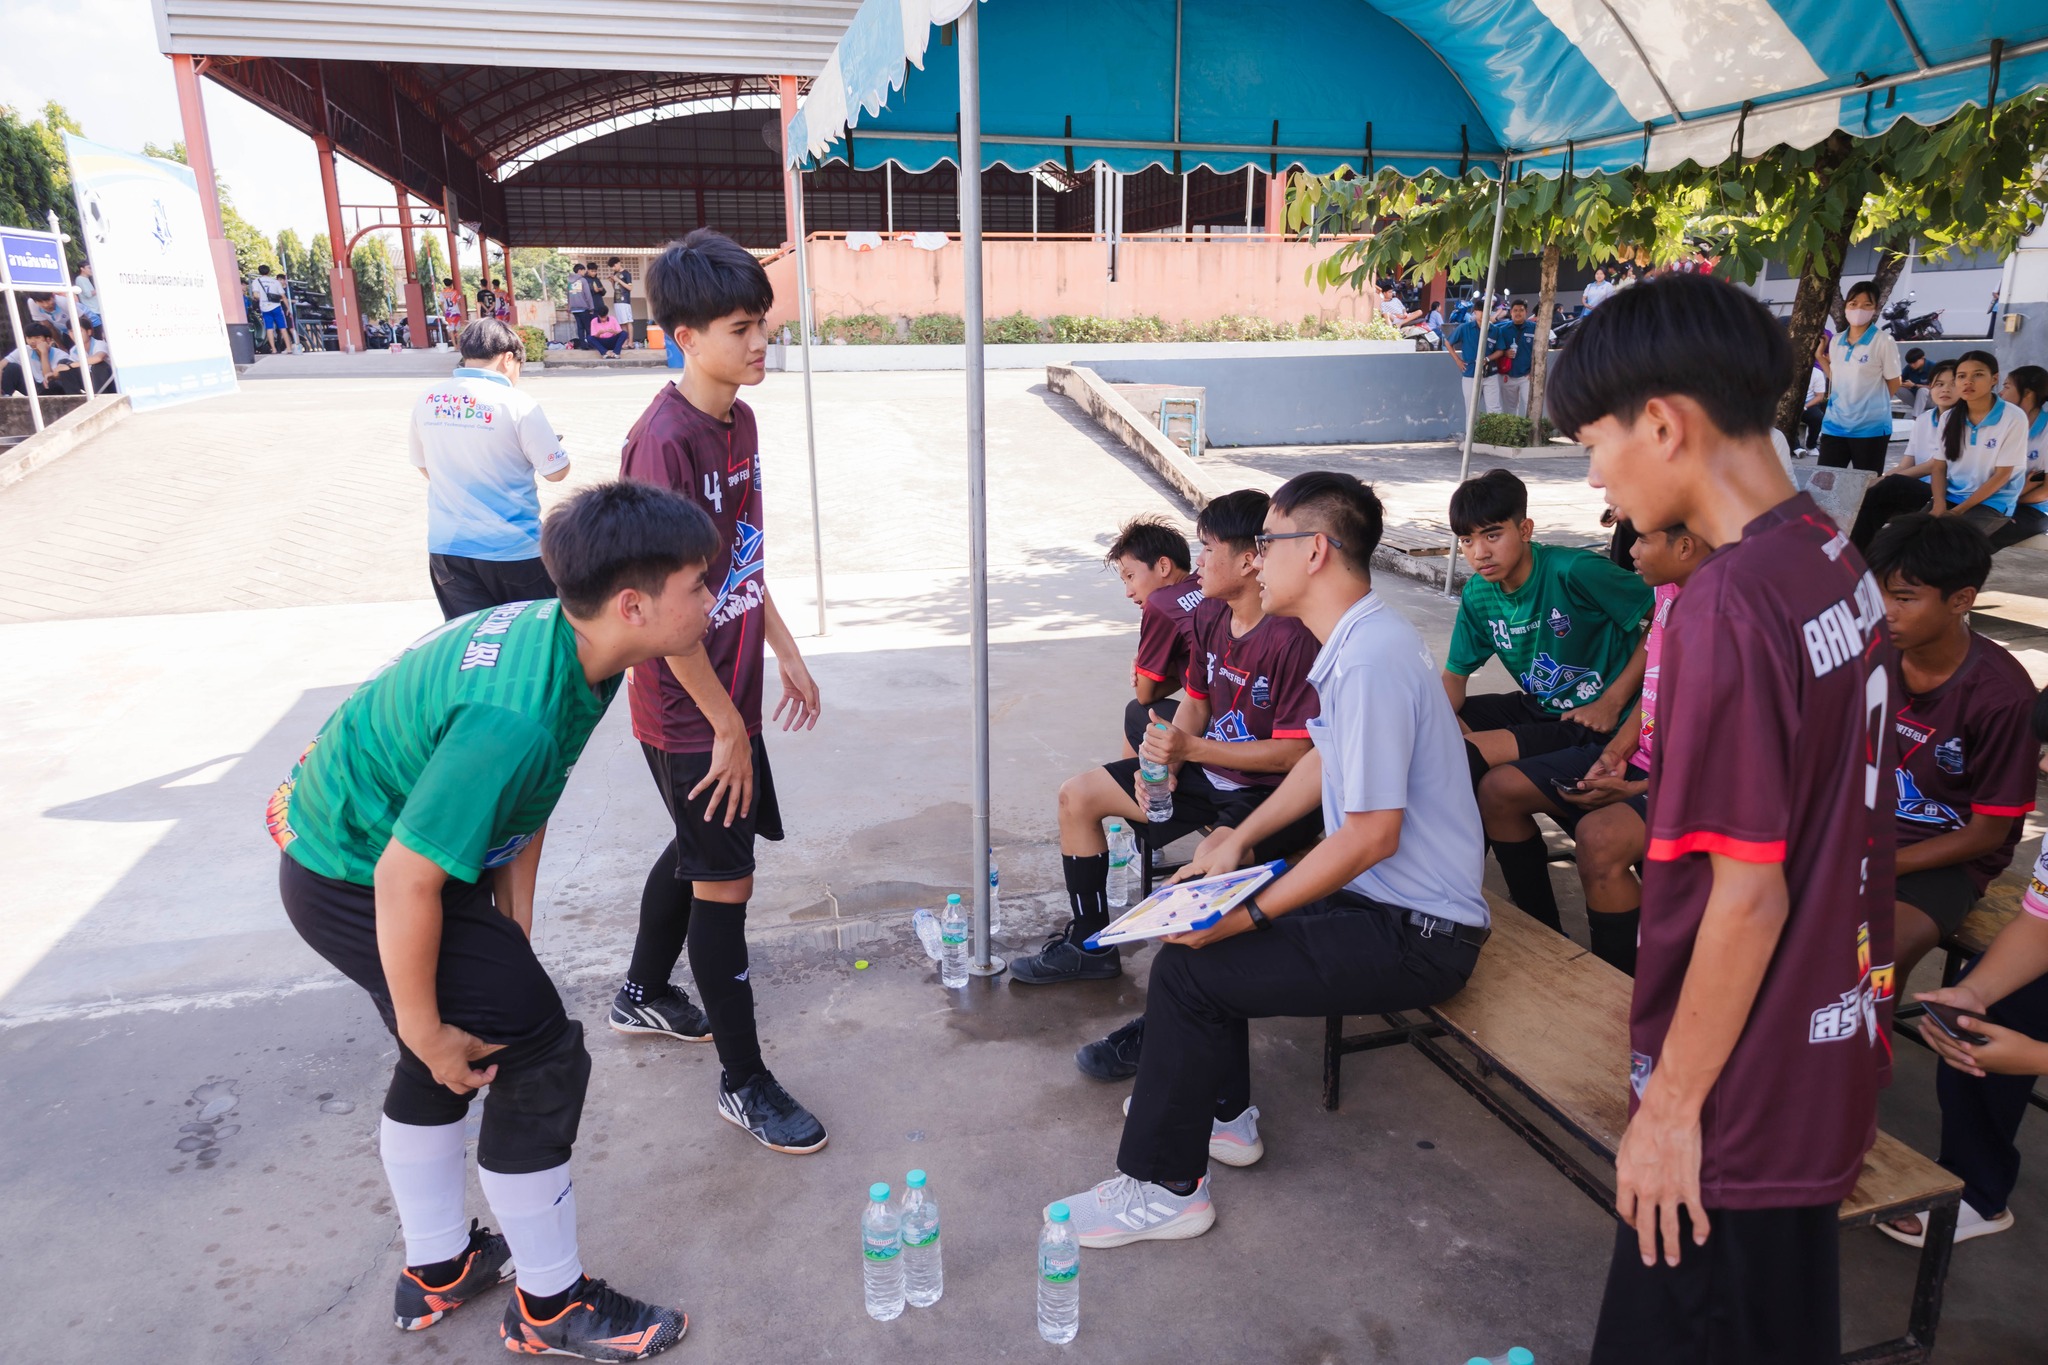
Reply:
x=1980, y=1115
x=1342, y=955
x=1894, y=495
x=582, y=321
x=1810, y=426
x=1764, y=1290
x=1860, y=452
x=13, y=381
x=462, y=585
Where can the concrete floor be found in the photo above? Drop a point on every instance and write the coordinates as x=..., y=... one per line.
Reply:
x=147, y=977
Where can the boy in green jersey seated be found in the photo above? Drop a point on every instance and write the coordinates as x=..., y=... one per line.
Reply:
x=409, y=838
x=1566, y=624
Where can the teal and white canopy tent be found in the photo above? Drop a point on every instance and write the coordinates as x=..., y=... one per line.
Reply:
x=1451, y=85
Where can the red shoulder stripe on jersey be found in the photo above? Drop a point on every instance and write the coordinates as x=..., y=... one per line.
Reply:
x=1290, y=734
x=1198, y=696
x=1977, y=809
x=1144, y=672
x=1706, y=841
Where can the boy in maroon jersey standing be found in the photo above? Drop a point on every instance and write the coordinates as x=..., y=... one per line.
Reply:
x=1763, y=982
x=698, y=716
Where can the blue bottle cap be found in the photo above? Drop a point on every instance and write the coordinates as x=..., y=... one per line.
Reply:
x=952, y=900
x=1116, y=827
x=879, y=1192
x=914, y=1181
x=1478, y=1360
x=1058, y=1213
x=1521, y=1355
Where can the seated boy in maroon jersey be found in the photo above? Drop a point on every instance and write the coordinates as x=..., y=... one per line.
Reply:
x=1966, y=747
x=1151, y=559
x=1758, y=1024
x=1243, y=725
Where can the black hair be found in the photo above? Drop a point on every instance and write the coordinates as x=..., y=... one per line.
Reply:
x=1522, y=304
x=448, y=281
x=1341, y=506
x=1957, y=422
x=1916, y=354
x=2030, y=379
x=613, y=261
x=1489, y=500
x=1235, y=519
x=1944, y=553
x=704, y=277
x=1941, y=367
x=622, y=535
x=1149, y=540
x=38, y=329
x=575, y=265
x=1863, y=287
x=1682, y=334
x=488, y=338
x=263, y=270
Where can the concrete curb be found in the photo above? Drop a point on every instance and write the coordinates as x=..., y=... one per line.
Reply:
x=63, y=436
x=1031, y=355
x=1116, y=416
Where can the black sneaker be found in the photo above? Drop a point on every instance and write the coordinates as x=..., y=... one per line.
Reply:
x=600, y=1323
x=765, y=1109
x=486, y=1264
x=1114, y=1058
x=1062, y=959
x=671, y=1014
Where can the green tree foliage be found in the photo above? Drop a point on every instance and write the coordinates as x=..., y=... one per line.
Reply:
x=377, y=272
x=35, y=175
x=537, y=270
x=432, y=263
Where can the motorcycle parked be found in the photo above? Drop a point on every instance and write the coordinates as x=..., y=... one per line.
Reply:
x=1904, y=326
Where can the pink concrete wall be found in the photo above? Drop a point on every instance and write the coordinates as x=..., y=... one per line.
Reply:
x=1176, y=281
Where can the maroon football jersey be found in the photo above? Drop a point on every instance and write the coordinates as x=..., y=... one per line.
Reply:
x=1774, y=746
x=1968, y=747
x=717, y=465
x=1163, y=626
x=1256, y=684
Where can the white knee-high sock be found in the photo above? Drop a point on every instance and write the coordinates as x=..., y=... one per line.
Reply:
x=538, y=1213
x=424, y=1166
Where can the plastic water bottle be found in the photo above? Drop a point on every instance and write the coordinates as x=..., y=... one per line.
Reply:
x=1517, y=1355
x=1059, y=1278
x=924, y=1277
x=953, y=945
x=926, y=926
x=1121, y=848
x=881, y=1255
x=995, y=904
x=1158, y=796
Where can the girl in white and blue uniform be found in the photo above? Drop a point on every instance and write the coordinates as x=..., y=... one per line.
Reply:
x=1863, y=370
x=2027, y=389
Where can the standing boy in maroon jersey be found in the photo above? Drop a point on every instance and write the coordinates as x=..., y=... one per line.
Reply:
x=698, y=716
x=1151, y=561
x=1763, y=983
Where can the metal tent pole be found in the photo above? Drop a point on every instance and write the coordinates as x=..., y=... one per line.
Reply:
x=983, y=962
x=1500, y=208
x=803, y=326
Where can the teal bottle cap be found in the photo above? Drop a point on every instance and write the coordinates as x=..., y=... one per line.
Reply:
x=952, y=900
x=1521, y=1355
x=879, y=1192
x=1478, y=1360
x=1116, y=827
x=1058, y=1213
x=914, y=1181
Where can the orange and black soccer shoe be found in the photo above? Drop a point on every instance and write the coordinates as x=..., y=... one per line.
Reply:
x=600, y=1323
x=487, y=1262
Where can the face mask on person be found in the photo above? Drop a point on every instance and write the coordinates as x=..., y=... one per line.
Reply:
x=1859, y=317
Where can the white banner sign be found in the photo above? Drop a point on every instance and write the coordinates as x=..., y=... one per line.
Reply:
x=159, y=303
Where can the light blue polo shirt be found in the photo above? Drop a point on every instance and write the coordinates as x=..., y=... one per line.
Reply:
x=482, y=441
x=1860, y=402
x=1389, y=741
x=1999, y=440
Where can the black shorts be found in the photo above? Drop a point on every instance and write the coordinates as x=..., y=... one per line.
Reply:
x=1764, y=1290
x=711, y=850
x=1945, y=895
x=1568, y=766
x=488, y=983
x=462, y=585
x=1536, y=730
x=1199, y=803
x=1137, y=716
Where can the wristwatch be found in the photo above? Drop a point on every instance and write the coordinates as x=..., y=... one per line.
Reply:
x=1259, y=920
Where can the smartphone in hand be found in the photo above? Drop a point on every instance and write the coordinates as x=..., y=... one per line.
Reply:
x=1563, y=788
x=1949, y=1020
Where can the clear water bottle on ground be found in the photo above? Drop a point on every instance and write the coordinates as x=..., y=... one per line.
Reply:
x=926, y=926
x=953, y=944
x=1517, y=1355
x=881, y=1255
x=1122, y=848
x=1059, y=1278
x=995, y=904
x=924, y=1276
x=1158, y=796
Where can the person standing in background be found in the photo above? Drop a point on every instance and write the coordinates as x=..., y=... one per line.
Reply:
x=621, y=282
x=1864, y=371
x=582, y=303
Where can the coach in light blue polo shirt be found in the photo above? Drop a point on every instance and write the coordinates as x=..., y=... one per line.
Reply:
x=480, y=440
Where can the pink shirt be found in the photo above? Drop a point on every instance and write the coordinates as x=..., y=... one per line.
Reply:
x=1653, y=653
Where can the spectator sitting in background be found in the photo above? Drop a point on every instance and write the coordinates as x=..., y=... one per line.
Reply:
x=100, y=361
x=38, y=360
x=1817, y=402
x=606, y=336
x=1914, y=376
x=88, y=296
x=2027, y=388
x=1974, y=473
x=1396, y=312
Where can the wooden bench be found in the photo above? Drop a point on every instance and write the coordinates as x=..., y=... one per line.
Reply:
x=1551, y=1020
x=1999, y=907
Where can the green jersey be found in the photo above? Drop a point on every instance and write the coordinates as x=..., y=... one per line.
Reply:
x=458, y=748
x=1565, y=634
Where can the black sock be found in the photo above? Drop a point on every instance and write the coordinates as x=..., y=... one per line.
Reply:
x=1614, y=937
x=1183, y=1188
x=664, y=925
x=1525, y=867
x=718, y=959
x=1087, y=892
x=441, y=1274
x=542, y=1307
x=1475, y=762
x=1227, y=1112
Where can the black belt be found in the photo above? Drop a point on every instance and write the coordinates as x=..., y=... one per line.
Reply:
x=1431, y=927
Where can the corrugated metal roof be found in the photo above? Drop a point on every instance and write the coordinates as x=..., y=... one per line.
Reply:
x=761, y=37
